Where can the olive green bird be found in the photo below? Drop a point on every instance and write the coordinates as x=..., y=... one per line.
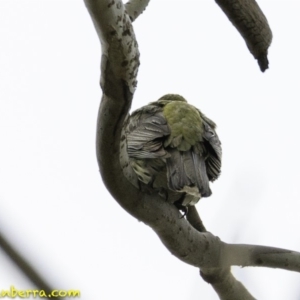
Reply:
x=173, y=149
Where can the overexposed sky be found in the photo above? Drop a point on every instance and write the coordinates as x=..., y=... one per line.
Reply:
x=53, y=204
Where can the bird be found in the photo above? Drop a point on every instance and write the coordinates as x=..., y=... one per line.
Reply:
x=174, y=150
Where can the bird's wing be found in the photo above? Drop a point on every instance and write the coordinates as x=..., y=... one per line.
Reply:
x=145, y=134
x=213, y=150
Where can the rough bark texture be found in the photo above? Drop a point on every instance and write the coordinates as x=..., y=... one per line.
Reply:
x=135, y=7
x=184, y=238
x=252, y=24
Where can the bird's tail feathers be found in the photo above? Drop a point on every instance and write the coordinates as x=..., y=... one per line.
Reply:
x=186, y=173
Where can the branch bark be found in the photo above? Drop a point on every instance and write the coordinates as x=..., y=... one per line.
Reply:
x=135, y=7
x=247, y=17
x=189, y=243
x=25, y=266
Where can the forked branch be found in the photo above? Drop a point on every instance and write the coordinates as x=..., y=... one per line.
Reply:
x=188, y=242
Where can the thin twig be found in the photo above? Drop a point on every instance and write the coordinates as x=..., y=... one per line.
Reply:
x=194, y=218
x=25, y=266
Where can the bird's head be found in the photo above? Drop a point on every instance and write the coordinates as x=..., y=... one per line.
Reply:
x=172, y=97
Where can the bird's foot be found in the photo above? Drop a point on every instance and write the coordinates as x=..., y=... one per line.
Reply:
x=183, y=209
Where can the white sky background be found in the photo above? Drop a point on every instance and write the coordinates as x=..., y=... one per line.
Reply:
x=53, y=204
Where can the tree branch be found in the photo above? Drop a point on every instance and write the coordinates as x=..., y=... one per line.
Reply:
x=251, y=255
x=261, y=256
x=135, y=7
x=24, y=266
x=119, y=66
x=193, y=217
x=250, y=21
x=221, y=279
x=225, y=285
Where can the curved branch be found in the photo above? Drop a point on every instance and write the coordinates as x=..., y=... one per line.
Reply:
x=119, y=46
x=119, y=66
x=135, y=7
x=250, y=21
x=116, y=81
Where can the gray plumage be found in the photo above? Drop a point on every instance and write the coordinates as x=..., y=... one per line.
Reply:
x=173, y=148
